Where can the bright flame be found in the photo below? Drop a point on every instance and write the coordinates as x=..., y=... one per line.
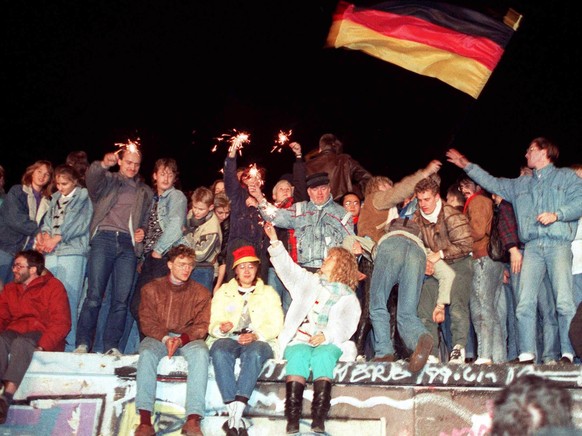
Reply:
x=282, y=139
x=131, y=146
x=235, y=139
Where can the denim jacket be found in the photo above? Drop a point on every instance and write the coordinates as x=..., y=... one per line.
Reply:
x=317, y=228
x=75, y=227
x=551, y=189
x=19, y=218
x=172, y=218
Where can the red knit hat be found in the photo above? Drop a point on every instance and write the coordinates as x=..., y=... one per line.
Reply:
x=244, y=254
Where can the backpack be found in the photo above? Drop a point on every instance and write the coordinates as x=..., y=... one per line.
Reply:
x=495, y=248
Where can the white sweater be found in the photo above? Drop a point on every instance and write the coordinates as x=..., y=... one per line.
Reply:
x=304, y=287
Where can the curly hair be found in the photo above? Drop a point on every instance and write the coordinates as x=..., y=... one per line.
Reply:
x=346, y=267
x=181, y=251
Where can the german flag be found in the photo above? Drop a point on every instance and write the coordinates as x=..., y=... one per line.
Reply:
x=454, y=44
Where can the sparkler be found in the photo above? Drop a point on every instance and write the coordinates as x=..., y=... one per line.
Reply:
x=282, y=139
x=131, y=146
x=236, y=140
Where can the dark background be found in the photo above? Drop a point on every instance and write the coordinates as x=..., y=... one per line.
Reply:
x=177, y=74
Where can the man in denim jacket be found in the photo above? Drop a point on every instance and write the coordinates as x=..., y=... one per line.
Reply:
x=547, y=206
x=319, y=223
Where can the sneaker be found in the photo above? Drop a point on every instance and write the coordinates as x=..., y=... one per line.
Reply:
x=483, y=361
x=361, y=358
x=114, y=352
x=457, y=356
x=81, y=349
x=433, y=359
x=565, y=360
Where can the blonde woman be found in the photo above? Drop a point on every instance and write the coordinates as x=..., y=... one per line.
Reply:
x=323, y=316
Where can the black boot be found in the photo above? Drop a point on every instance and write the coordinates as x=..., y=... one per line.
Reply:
x=293, y=405
x=320, y=405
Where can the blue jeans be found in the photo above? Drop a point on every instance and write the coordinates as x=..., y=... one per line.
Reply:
x=486, y=290
x=224, y=353
x=274, y=281
x=151, y=351
x=70, y=270
x=577, y=283
x=548, y=336
x=399, y=260
x=111, y=255
x=554, y=259
x=511, y=302
x=204, y=274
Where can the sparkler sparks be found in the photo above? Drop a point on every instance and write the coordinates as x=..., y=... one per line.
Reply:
x=131, y=146
x=282, y=139
x=235, y=139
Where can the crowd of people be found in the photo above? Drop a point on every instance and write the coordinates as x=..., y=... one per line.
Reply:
x=337, y=265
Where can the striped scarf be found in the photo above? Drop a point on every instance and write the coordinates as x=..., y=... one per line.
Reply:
x=336, y=290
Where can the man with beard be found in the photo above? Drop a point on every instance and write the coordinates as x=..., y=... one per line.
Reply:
x=34, y=316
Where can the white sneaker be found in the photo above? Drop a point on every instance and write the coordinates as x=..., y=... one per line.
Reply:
x=114, y=352
x=457, y=356
x=483, y=361
x=433, y=359
x=81, y=349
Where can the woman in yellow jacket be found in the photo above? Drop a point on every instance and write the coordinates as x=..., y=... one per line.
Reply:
x=246, y=318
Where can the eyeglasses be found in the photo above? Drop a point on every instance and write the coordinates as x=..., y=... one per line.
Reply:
x=351, y=203
x=184, y=266
x=19, y=267
x=248, y=266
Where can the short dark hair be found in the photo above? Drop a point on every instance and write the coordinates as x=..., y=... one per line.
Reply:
x=33, y=258
x=530, y=403
x=552, y=150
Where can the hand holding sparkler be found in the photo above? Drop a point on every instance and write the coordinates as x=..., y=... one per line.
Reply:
x=282, y=139
x=109, y=160
x=296, y=148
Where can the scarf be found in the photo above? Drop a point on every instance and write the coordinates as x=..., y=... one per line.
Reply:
x=336, y=290
x=434, y=215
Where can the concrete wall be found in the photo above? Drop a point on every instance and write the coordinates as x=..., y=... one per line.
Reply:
x=93, y=394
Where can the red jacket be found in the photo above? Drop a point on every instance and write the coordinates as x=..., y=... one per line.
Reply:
x=42, y=306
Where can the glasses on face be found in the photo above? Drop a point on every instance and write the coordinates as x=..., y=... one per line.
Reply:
x=351, y=203
x=18, y=267
x=184, y=266
x=248, y=266
x=532, y=149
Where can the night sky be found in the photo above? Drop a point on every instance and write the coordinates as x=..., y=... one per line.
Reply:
x=177, y=74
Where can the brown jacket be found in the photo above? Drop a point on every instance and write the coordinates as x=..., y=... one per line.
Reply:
x=182, y=309
x=451, y=233
x=479, y=211
x=345, y=173
x=374, y=211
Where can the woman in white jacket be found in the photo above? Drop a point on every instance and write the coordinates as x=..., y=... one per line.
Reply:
x=323, y=316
